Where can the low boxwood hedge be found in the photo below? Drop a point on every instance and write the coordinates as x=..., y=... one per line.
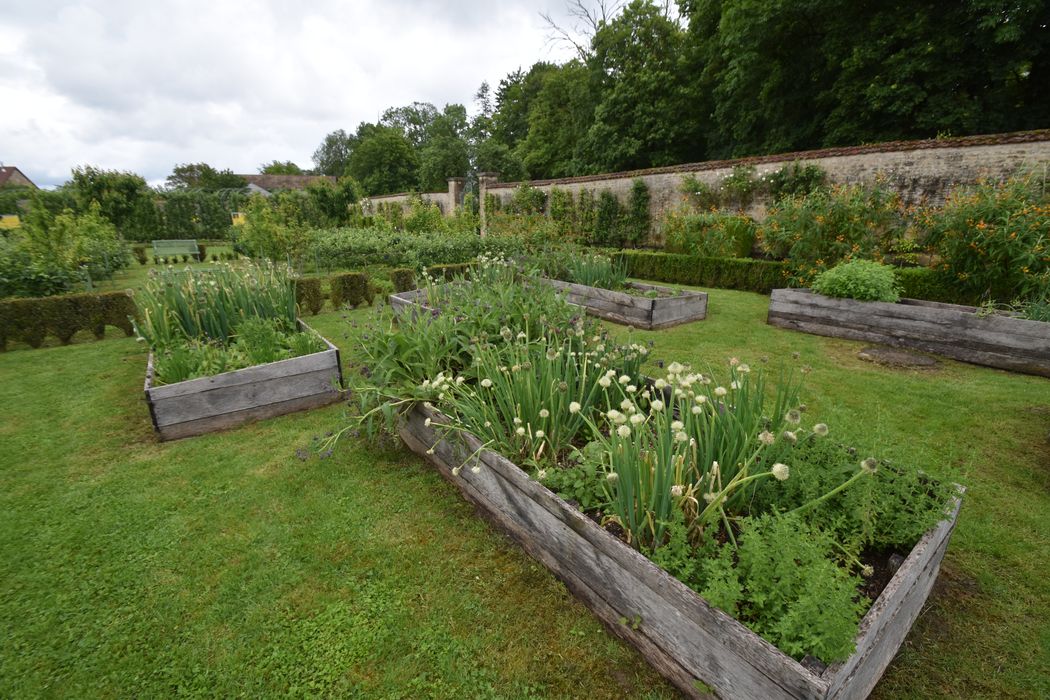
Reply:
x=31, y=320
x=745, y=274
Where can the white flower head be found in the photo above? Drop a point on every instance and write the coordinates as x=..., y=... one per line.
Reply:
x=793, y=416
x=677, y=490
x=743, y=369
x=520, y=432
x=624, y=431
x=677, y=425
x=540, y=434
x=637, y=419
x=574, y=407
x=789, y=436
x=624, y=379
x=781, y=471
x=700, y=398
x=870, y=465
x=544, y=413
x=627, y=405
x=675, y=368
x=541, y=475
x=680, y=436
x=427, y=422
x=631, y=388
x=697, y=410
x=612, y=477
x=821, y=429
x=766, y=437
x=720, y=391
x=657, y=405
x=605, y=382
x=660, y=383
x=486, y=382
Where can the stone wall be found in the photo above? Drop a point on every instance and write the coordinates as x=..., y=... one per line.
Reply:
x=445, y=201
x=919, y=170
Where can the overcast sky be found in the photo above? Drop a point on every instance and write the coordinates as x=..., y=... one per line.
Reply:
x=143, y=85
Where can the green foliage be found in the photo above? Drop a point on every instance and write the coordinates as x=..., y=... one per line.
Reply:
x=423, y=216
x=277, y=167
x=527, y=200
x=348, y=248
x=176, y=306
x=595, y=271
x=817, y=231
x=332, y=157
x=796, y=180
x=72, y=242
x=33, y=320
x=994, y=238
x=863, y=280
x=608, y=222
x=201, y=176
x=308, y=295
x=256, y=341
x=403, y=279
x=636, y=221
x=699, y=194
x=929, y=284
x=350, y=290
x=797, y=596
x=11, y=198
x=709, y=234
x=738, y=188
x=140, y=254
x=449, y=272
x=116, y=193
x=267, y=233
x=383, y=160
x=760, y=276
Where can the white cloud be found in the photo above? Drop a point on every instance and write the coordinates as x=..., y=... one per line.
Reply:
x=143, y=86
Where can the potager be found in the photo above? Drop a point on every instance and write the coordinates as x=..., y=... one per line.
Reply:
x=718, y=477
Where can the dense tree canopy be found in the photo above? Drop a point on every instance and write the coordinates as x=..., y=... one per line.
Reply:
x=654, y=86
x=201, y=176
x=279, y=167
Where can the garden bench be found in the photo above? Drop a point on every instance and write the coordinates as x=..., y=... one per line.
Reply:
x=168, y=248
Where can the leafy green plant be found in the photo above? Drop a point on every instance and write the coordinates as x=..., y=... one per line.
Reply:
x=795, y=179
x=208, y=305
x=596, y=271
x=817, y=231
x=700, y=195
x=636, y=216
x=738, y=189
x=993, y=238
x=864, y=280
x=709, y=234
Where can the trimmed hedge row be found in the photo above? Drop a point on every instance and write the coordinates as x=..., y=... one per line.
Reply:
x=350, y=289
x=450, y=272
x=744, y=274
x=931, y=285
x=403, y=278
x=32, y=320
x=308, y=295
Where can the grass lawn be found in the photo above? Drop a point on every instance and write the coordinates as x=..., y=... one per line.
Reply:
x=227, y=565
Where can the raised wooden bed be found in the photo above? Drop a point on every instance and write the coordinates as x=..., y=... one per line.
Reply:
x=698, y=648
x=648, y=313
x=951, y=330
x=205, y=405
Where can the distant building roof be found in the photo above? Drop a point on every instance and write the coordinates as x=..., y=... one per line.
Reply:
x=272, y=183
x=10, y=175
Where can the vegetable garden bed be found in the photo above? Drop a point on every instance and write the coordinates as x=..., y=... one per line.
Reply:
x=208, y=404
x=697, y=647
x=648, y=313
x=958, y=332
x=668, y=307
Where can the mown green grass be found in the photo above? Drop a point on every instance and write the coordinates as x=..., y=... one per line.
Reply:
x=226, y=565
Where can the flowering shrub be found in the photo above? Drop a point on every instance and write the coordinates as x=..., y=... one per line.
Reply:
x=817, y=231
x=994, y=239
x=709, y=234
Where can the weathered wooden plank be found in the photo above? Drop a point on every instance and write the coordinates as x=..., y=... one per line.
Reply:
x=295, y=365
x=921, y=333
x=988, y=359
x=231, y=399
x=711, y=645
x=663, y=662
x=692, y=308
x=599, y=306
x=597, y=293
x=952, y=327
x=230, y=420
x=678, y=632
x=957, y=334
x=886, y=624
x=949, y=315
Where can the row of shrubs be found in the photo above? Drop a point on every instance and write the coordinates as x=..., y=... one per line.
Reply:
x=32, y=320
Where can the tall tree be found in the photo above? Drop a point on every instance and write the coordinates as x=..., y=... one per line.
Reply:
x=332, y=157
x=412, y=120
x=280, y=167
x=202, y=176
x=444, y=152
x=117, y=193
x=643, y=115
x=383, y=160
x=558, y=118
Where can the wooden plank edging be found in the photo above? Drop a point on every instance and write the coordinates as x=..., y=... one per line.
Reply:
x=677, y=631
